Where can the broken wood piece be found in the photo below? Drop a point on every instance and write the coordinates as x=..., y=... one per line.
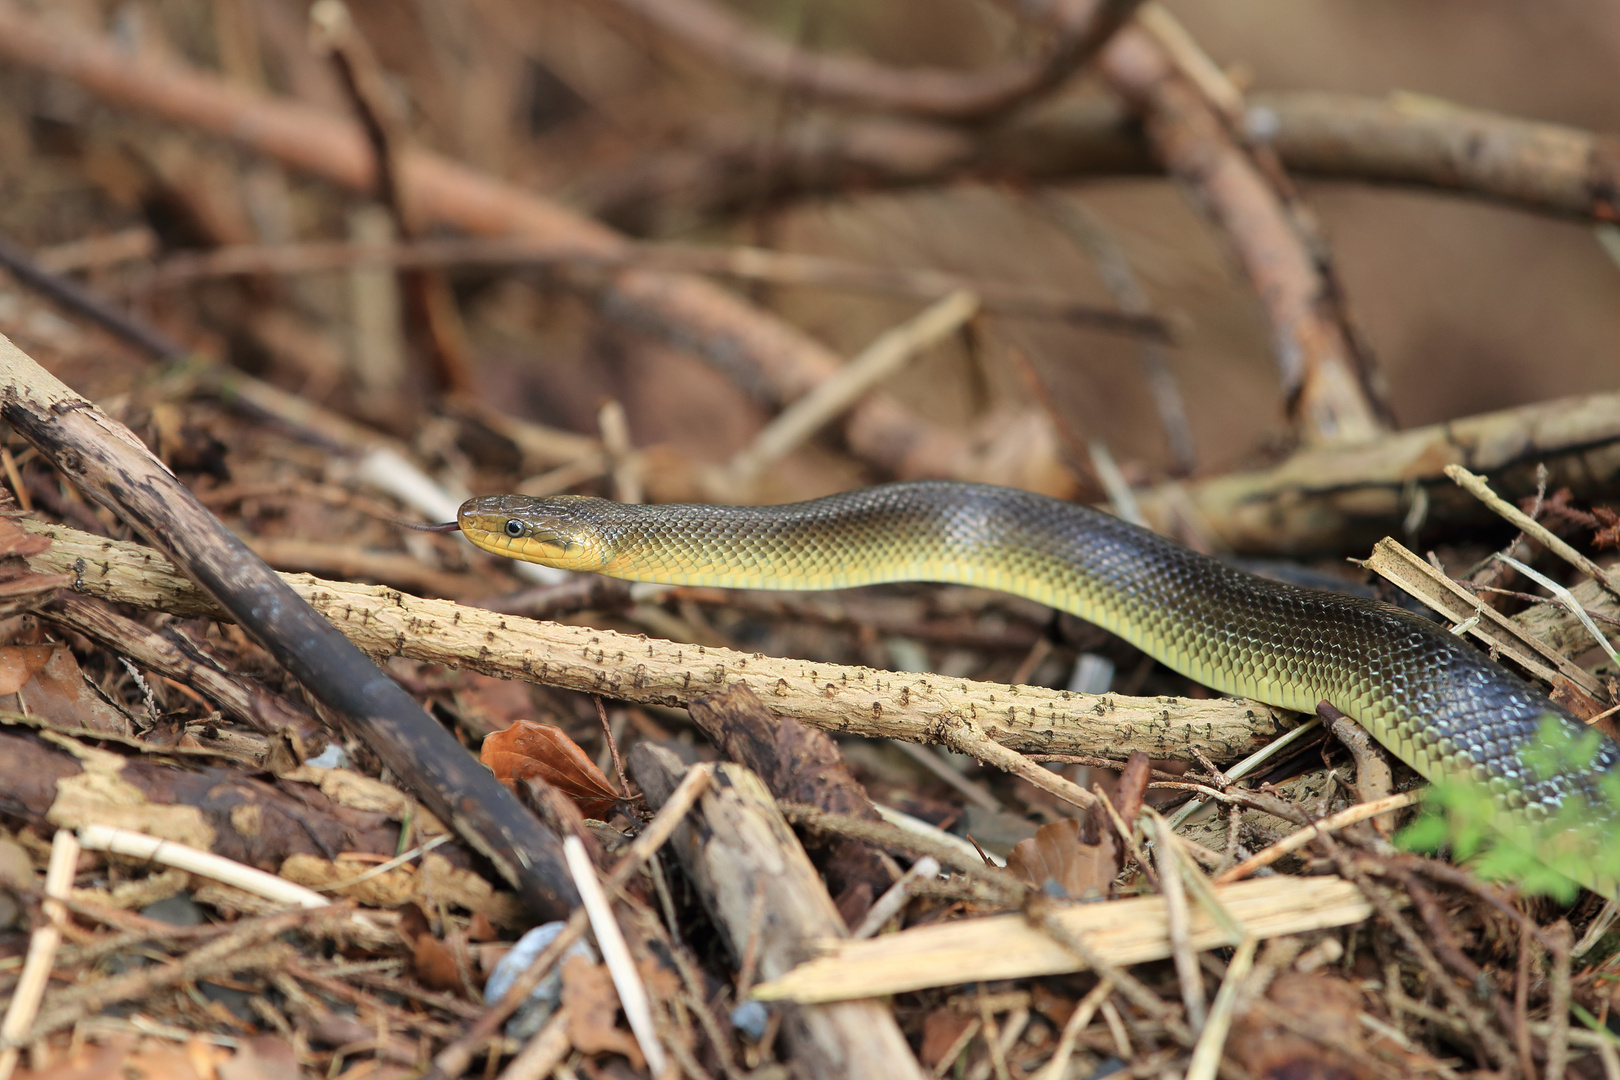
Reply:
x=1006, y=947
x=1406, y=570
x=736, y=848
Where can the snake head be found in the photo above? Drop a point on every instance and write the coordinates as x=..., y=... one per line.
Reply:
x=552, y=531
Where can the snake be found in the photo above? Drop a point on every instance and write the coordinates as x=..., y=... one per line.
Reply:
x=1432, y=699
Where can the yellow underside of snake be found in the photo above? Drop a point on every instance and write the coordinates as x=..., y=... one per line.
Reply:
x=1433, y=700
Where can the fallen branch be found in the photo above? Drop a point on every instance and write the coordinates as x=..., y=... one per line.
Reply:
x=1124, y=932
x=1322, y=376
x=739, y=853
x=764, y=355
x=1345, y=497
x=1399, y=140
x=854, y=700
x=107, y=461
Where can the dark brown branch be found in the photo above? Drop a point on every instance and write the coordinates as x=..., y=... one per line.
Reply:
x=108, y=462
x=63, y=290
x=1535, y=166
x=1078, y=29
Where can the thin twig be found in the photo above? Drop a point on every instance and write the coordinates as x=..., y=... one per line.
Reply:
x=1481, y=490
x=42, y=946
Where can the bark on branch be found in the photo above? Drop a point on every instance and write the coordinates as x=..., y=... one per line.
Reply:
x=835, y=697
x=109, y=463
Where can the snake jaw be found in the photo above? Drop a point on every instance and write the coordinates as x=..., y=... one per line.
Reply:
x=517, y=527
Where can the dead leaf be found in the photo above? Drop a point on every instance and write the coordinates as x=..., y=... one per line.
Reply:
x=264, y=1057
x=55, y=690
x=593, y=1011
x=18, y=663
x=486, y=704
x=942, y=1028
x=443, y=965
x=1273, y=1038
x=1132, y=787
x=1055, y=858
x=529, y=750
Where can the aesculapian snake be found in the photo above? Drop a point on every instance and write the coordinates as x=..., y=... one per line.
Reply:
x=1435, y=701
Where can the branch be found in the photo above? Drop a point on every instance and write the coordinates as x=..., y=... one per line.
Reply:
x=107, y=461
x=1326, y=390
x=1079, y=31
x=853, y=700
x=1538, y=167
x=763, y=354
x=1339, y=499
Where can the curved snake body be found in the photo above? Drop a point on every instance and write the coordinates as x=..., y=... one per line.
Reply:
x=1435, y=701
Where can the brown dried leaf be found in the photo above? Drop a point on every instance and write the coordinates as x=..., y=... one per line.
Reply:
x=58, y=694
x=1310, y=1026
x=442, y=965
x=540, y=751
x=1055, y=857
x=1133, y=782
x=18, y=663
x=264, y=1057
x=942, y=1028
x=593, y=1011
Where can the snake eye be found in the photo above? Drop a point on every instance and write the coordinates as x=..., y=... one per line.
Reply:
x=514, y=528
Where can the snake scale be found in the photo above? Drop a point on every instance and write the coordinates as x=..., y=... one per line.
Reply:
x=1435, y=701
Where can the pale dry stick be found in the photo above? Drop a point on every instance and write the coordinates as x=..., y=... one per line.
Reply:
x=1512, y=639
x=42, y=946
x=1191, y=60
x=894, y=898
x=139, y=845
x=1248, y=765
x=1188, y=974
x=927, y=833
x=1566, y=598
x=1058, y=1067
x=1196, y=882
x=544, y=1052
x=454, y=1059
x=1114, y=483
x=1481, y=490
x=1206, y=1058
x=616, y=954
x=850, y=700
x=1294, y=841
x=1121, y=932
x=885, y=356
x=623, y=465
